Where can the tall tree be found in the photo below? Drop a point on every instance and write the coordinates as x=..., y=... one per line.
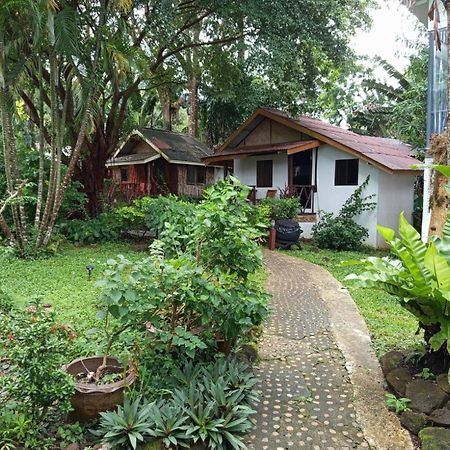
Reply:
x=39, y=34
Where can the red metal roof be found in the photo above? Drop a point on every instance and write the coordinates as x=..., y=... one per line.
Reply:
x=390, y=153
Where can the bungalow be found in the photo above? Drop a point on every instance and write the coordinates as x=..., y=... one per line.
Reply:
x=322, y=164
x=152, y=161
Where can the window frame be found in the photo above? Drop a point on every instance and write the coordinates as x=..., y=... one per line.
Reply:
x=195, y=175
x=261, y=181
x=344, y=173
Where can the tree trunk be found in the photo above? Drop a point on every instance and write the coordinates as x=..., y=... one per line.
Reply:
x=164, y=99
x=193, y=106
x=193, y=88
x=438, y=200
x=93, y=172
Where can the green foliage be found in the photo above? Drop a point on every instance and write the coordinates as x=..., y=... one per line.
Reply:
x=398, y=405
x=104, y=228
x=341, y=232
x=281, y=208
x=426, y=374
x=418, y=276
x=132, y=217
x=396, y=108
x=226, y=230
x=34, y=384
x=126, y=427
x=206, y=403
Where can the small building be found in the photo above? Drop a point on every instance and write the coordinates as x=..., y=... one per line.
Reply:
x=323, y=165
x=152, y=162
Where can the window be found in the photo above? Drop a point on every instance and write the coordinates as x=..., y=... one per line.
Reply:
x=201, y=175
x=264, y=173
x=346, y=172
x=124, y=175
x=196, y=175
x=191, y=174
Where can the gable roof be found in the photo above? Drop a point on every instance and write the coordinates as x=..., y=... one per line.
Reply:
x=174, y=147
x=389, y=155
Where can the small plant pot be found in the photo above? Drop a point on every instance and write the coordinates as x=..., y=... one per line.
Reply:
x=91, y=399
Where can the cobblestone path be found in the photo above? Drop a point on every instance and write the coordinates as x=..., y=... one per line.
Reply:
x=306, y=396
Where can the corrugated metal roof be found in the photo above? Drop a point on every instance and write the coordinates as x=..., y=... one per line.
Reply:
x=133, y=158
x=177, y=146
x=390, y=153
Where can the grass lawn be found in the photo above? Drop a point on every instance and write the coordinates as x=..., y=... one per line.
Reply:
x=390, y=325
x=62, y=280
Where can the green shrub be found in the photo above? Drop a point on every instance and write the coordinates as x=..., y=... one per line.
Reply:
x=281, y=208
x=34, y=388
x=132, y=217
x=104, y=228
x=341, y=232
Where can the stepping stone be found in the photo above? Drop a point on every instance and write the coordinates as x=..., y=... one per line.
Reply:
x=398, y=379
x=414, y=421
x=435, y=438
x=425, y=396
x=390, y=361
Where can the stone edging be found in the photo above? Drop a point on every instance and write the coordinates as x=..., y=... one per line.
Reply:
x=381, y=428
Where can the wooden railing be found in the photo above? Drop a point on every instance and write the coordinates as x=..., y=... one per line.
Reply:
x=134, y=190
x=305, y=195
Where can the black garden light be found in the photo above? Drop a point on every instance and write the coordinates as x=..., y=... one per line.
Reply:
x=90, y=268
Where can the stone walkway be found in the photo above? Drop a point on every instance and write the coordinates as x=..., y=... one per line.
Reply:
x=307, y=399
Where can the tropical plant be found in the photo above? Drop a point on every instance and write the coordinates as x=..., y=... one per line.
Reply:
x=51, y=51
x=128, y=426
x=418, y=276
x=341, y=232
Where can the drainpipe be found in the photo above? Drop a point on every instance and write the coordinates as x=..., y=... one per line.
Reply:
x=427, y=189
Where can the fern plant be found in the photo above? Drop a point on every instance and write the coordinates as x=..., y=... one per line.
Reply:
x=418, y=275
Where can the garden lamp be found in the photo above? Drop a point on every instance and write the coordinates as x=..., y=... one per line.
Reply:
x=90, y=268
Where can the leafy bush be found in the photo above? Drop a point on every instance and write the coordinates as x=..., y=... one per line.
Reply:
x=226, y=231
x=34, y=389
x=104, y=228
x=418, y=276
x=132, y=217
x=341, y=232
x=281, y=208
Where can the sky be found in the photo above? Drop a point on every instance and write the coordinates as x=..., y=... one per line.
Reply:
x=392, y=24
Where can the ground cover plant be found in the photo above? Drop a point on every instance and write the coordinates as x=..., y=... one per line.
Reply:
x=390, y=326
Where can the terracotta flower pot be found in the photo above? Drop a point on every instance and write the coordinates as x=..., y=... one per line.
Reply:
x=91, y=399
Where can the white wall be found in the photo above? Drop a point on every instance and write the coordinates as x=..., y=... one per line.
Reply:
x=330, y=198
x=245, y=170
x=394, y=193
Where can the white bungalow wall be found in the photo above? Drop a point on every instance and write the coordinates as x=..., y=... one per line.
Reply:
x=394, y=193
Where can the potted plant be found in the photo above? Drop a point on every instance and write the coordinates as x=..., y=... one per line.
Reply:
x=100, y=380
